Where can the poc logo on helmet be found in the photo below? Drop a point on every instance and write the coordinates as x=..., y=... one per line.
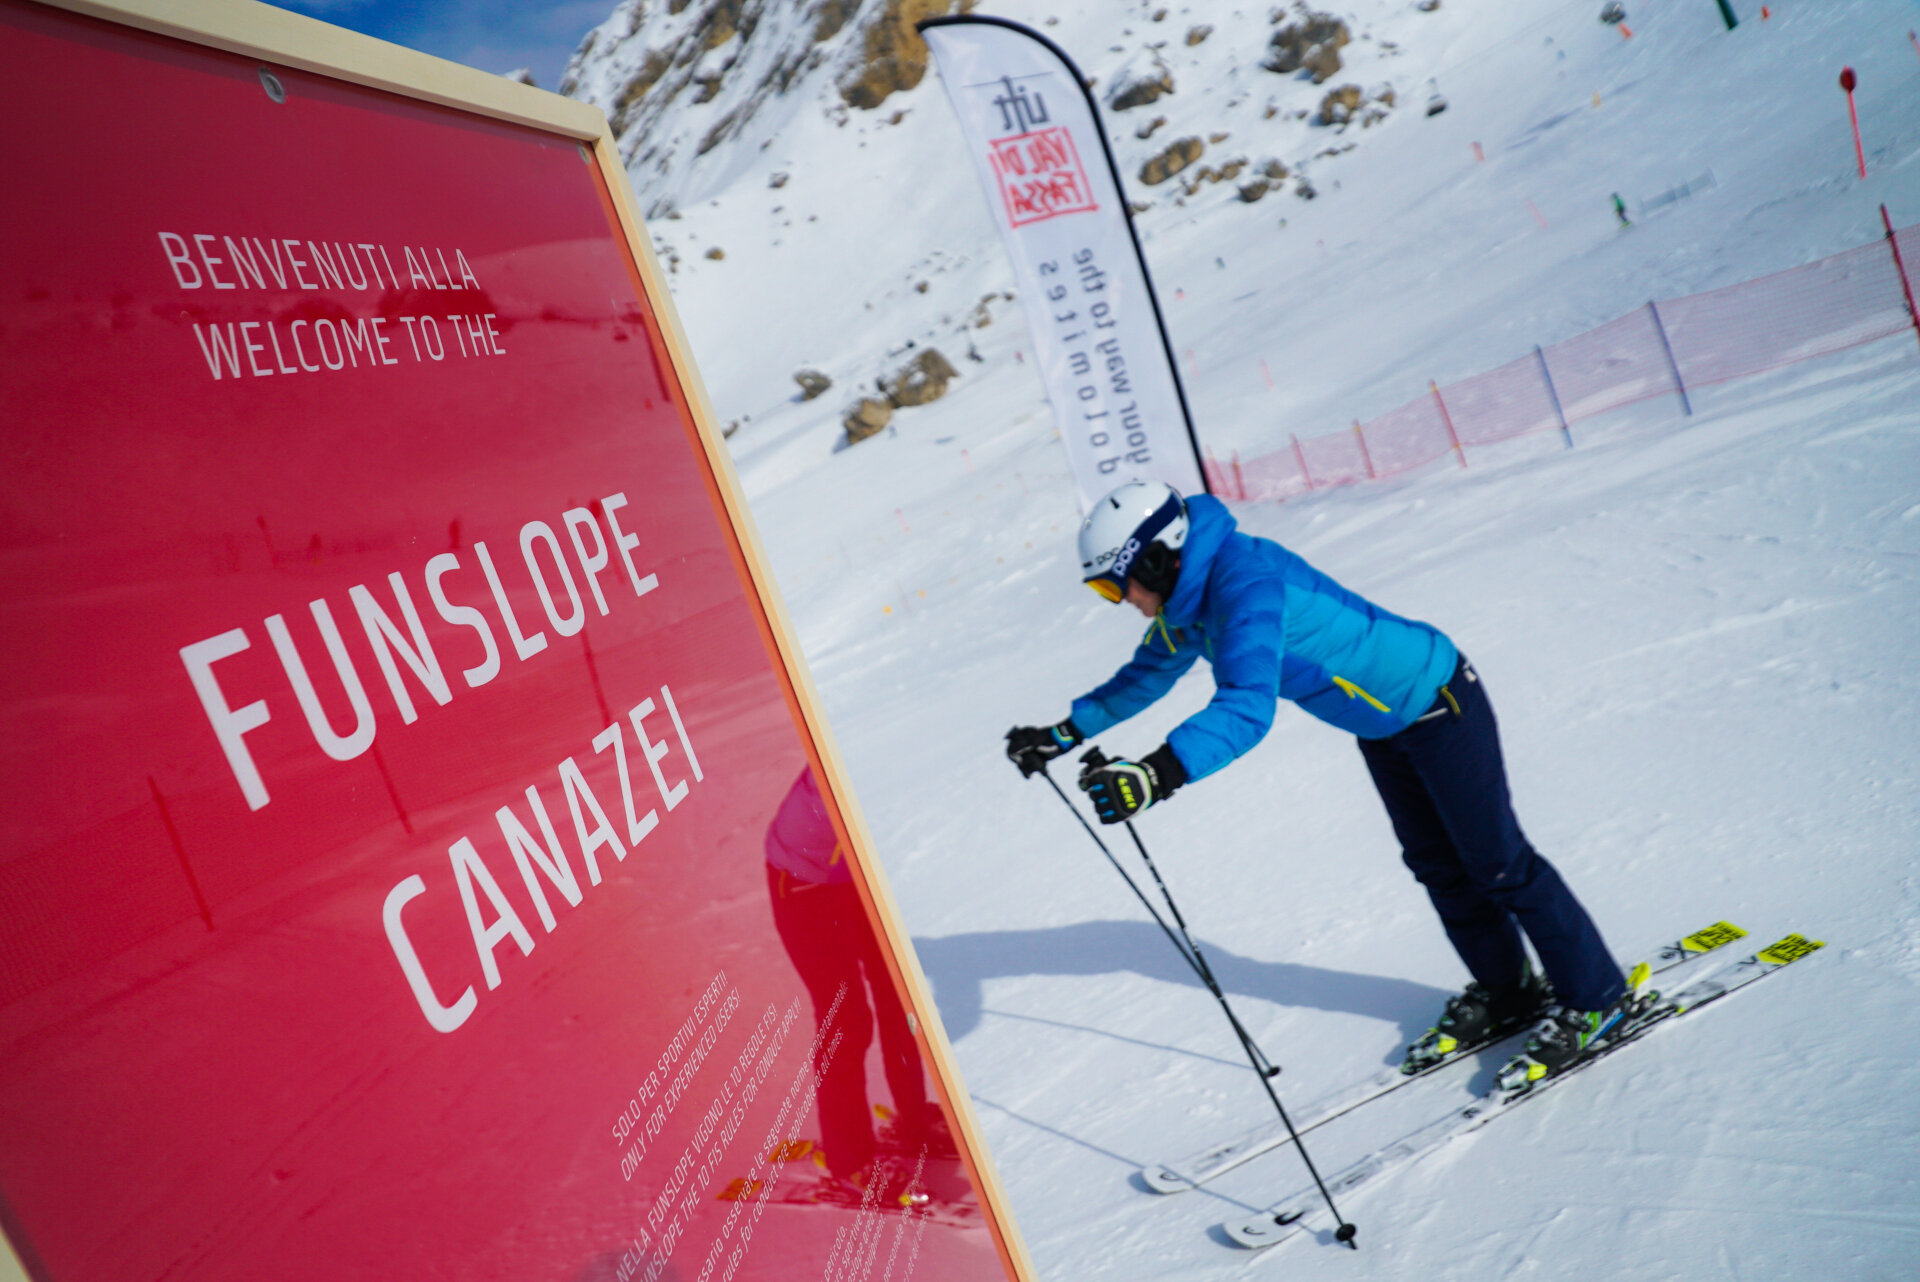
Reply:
x=1120, y=556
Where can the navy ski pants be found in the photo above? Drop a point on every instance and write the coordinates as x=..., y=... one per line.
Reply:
x=1445, y=789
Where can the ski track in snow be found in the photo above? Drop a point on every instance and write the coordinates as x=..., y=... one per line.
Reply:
x=1700, y=633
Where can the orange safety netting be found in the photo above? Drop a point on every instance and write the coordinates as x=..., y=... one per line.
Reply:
x=1853, y=297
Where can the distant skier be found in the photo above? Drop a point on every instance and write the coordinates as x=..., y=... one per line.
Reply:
x=1273, y=627
x=1620, y=210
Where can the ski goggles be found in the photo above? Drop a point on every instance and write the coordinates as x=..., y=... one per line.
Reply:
x=1108, y=589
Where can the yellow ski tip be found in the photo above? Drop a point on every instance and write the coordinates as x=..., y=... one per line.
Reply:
x=1715, y=936
x=1790, y=949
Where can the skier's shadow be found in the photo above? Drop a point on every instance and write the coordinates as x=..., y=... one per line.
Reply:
x=959, y=966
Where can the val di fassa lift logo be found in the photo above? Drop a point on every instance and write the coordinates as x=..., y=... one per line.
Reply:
x=1036, y=163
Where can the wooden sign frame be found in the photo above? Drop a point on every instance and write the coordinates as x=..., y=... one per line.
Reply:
x=280, y=39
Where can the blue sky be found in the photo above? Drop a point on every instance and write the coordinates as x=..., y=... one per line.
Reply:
x=493, y=35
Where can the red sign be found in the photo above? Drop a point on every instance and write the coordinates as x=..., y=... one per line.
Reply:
x=413, y=862
x=1040, y=175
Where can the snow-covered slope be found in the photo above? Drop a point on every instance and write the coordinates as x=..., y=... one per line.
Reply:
x=1700, y=637
x=1414, y=261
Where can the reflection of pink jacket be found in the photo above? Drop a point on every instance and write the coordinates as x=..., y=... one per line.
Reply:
x=800, y=840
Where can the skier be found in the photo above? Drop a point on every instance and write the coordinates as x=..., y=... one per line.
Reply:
x=1273, y=627
x=1620, y=210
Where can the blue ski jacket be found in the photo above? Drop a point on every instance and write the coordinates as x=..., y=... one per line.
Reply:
x=1273, y=627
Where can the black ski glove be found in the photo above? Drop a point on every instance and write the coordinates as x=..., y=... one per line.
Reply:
x=1122, y=789
x=1032, y=747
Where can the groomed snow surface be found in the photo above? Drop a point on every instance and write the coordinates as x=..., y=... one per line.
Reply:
x=1699, y=638
x=1699, y=634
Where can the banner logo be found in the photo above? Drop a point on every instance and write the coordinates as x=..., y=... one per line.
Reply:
x=1041, y=176
x=1039, y=170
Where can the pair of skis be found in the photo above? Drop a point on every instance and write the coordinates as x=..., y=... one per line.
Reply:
x=1210, y=1163
x=1286, y=1219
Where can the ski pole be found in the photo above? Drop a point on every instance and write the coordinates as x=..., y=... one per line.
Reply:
x=1263, y=1068
x=1182, y=943
x=1346, y=1230
x=1132, y=885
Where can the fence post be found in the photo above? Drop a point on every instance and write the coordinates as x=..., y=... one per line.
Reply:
x=1679, y=384
x=1906, y=286
x=1366, y=455
x=1448, y=420
x=1300, y=457
x=1553, y=394
x=1239, y=481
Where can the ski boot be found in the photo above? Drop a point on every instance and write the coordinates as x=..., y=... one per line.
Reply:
x=1566, y=1036
x=1477, y=1016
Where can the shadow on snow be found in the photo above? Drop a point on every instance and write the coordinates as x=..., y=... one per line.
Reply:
x=958, y=967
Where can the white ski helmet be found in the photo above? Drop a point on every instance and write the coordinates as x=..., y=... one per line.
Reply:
x=1123, y=525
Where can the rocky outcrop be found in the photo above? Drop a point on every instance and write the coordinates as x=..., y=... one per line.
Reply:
x=1214, y=174
x=982, y=314
x=831, y=16
x=895, y=57
x=1137, y=86
x=1349, y=104
x=680, y=78
x=1339, y=106
x=656, y=65
x=812, y=383
x=920, y=381
x=1175, y=158
x=868, y=417
x=1311, y=42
